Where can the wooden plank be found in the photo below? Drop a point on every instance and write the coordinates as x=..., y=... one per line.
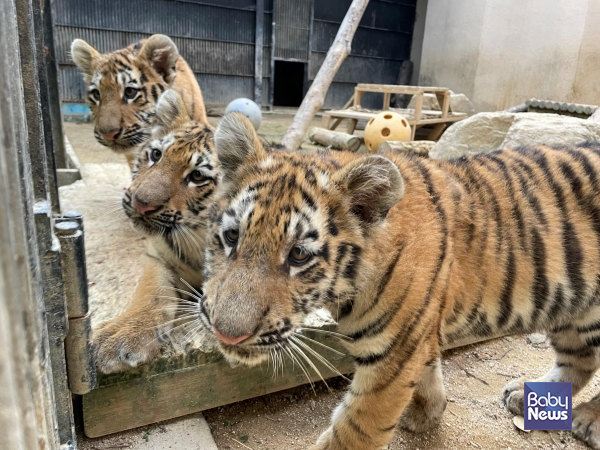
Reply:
x=418, y=108
x=386, y=100
x=357, y=97
x=359, y=115
x=350, y=114
x=436, y=132
x=351, y=126
x=349, y=103
x=444, y=101
x=168, y=388
x=392, y=88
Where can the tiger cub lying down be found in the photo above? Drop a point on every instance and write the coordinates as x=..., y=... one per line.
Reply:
x=174, y=178
x=409, y=255
x=123, y=87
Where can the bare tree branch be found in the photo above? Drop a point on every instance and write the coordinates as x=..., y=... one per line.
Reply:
x=315, y=96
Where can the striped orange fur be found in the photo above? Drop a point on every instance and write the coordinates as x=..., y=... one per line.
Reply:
x=123, y=87
x=410, y=256
x=174, y=178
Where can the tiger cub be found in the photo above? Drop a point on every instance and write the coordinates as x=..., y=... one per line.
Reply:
x=123, y=87
x=410, y=256
x=174, y=178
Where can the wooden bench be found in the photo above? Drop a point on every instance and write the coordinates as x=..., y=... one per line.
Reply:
x=417, y=118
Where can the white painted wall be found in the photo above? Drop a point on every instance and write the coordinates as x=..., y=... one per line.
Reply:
x=503, y=52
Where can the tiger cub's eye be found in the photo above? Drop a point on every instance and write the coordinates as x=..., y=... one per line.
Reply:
x=196, y=176
x=232, y=236
x=130, y=93
x=95, y=93
x=155, y=155
x=299, y=256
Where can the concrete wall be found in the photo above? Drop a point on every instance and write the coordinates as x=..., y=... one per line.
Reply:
x=503, y=52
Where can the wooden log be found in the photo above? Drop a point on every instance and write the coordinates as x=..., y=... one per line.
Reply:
x=335, y=139
x=313, y=101
x=420, y=148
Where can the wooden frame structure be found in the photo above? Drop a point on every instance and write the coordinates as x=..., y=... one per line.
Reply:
x=417, y=119
x=170, y=387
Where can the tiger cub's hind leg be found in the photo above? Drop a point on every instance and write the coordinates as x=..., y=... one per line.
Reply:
x=428, y=401
x=576, y=362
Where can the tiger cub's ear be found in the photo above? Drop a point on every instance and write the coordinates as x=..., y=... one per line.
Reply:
x=162, y=54
x=237, y=143
x=171, y=112
x=83, y=55
x=373, y=184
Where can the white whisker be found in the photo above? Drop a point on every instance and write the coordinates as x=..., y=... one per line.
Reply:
x=192, y=288
x=319, y=357
x=308, y=361
x=331, y=333
x=320, y=344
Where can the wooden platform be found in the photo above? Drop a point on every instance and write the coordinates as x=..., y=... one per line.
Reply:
x=174, y=387
x=417, y=118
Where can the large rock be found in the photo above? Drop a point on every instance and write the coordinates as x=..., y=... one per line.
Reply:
x=485, y=132
x=458, y=103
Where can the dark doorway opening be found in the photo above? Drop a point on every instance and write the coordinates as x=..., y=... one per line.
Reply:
x=289, y=78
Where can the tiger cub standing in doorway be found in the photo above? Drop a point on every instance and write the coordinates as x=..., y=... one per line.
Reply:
x=123, y=87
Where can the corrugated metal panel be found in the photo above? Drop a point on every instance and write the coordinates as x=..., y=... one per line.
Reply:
x=220, y=90
x=236, y=4
x=265, y=98
x=216, y=89
x=382, y=15
x=70, y=84
x=103, y=41
x=266, y=62
x=267, y=28
x=292, y=29
x=339, y=93
x=366, y=42
x=382, y=41
x=159, y=16
x=359, y=70
x=202, y=56
x=223, y=58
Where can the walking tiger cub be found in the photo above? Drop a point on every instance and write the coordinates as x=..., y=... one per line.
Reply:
x=174, y=178
x=122, y=88
x=409, y=255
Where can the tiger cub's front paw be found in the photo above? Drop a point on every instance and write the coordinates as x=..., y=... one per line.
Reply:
x=513, y=396
x=123, y=344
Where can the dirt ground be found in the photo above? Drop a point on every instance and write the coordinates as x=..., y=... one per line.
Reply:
x=293, y=419
x=474, y=418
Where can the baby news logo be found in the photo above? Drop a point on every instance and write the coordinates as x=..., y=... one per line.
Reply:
x=548, y=406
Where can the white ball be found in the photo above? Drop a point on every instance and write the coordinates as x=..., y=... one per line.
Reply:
x=248, y=108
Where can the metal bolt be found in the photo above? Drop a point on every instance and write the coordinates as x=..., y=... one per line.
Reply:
x=66, y=228
x=72, y=215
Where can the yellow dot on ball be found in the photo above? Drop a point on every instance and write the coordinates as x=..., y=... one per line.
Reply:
x=386, y=126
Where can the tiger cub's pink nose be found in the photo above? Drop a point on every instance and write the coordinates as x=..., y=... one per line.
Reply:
x=231, y=340
x=111, y=135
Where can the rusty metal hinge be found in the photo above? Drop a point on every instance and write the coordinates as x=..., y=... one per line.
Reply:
x=81, y=366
